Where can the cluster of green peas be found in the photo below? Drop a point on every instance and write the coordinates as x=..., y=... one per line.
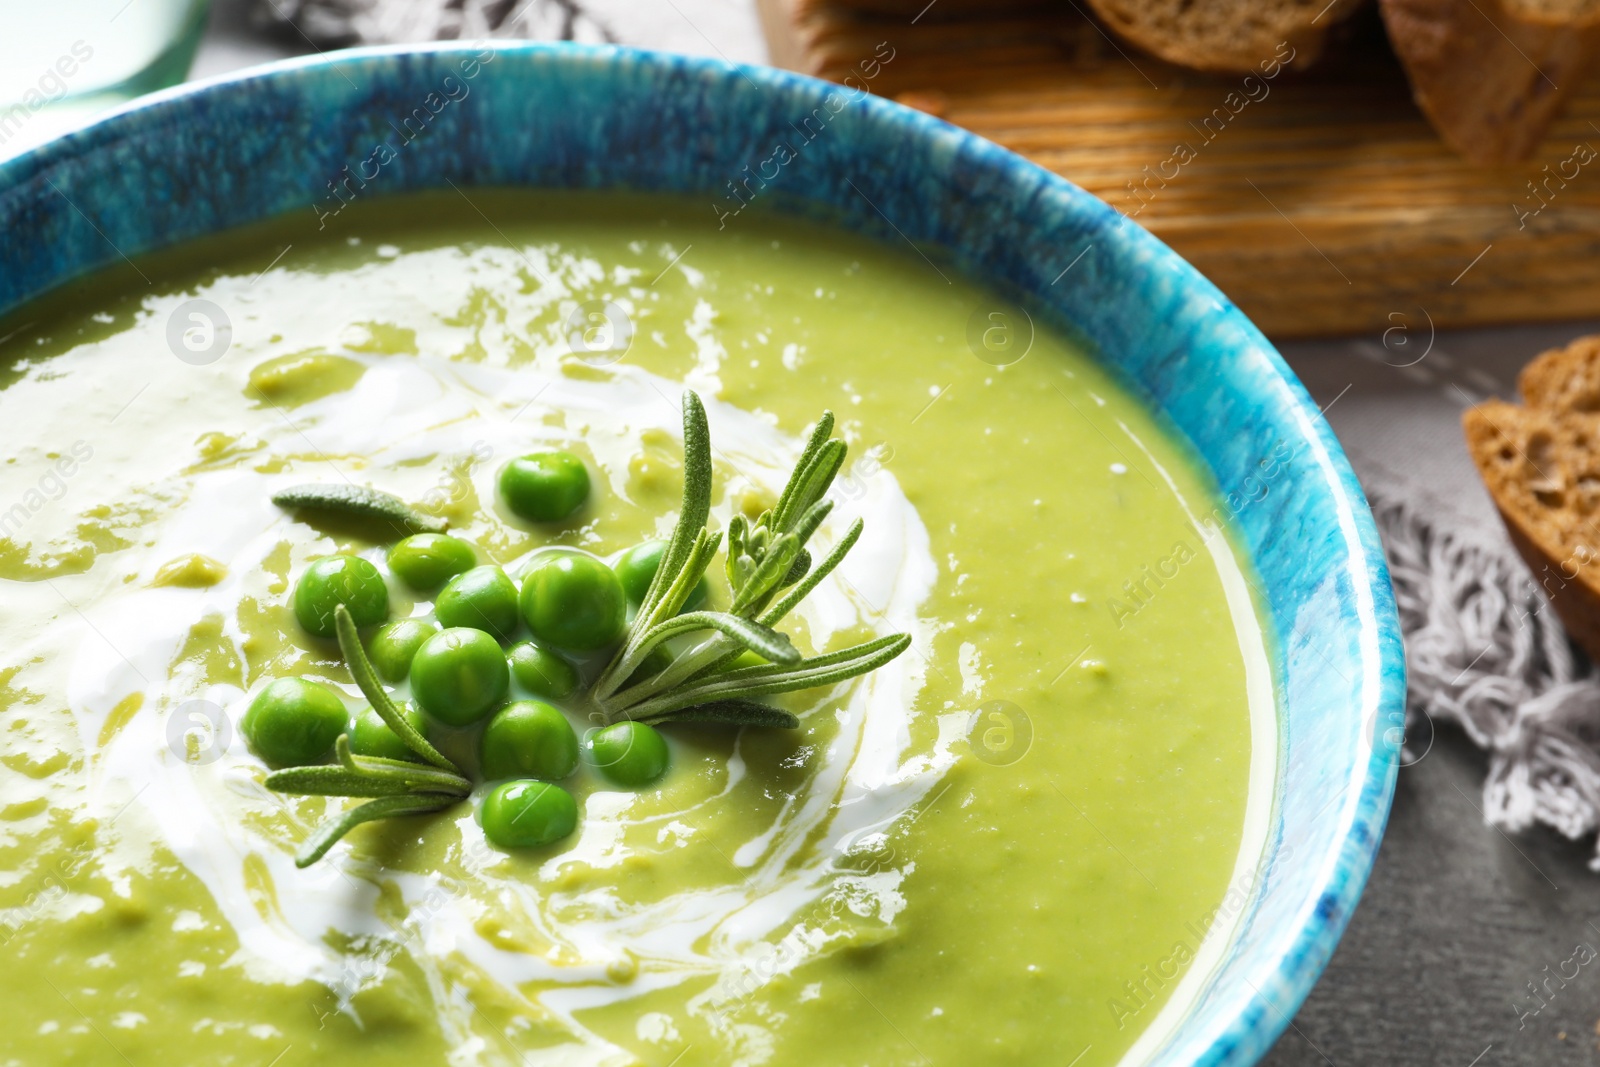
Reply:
x=573, y=603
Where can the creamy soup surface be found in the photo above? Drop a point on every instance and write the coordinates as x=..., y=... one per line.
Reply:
x=1013, y=844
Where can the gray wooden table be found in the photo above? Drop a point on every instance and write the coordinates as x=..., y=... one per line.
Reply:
x=1466, y=946
x=1458, y=926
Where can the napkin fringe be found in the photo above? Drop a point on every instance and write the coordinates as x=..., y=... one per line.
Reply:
x=337, y=23
x=1485, y=651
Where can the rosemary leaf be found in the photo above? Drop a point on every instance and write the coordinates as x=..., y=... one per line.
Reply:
x=360, y=776
x=634, y=651
x=738, y=562
x=802, y=564
x=898, y=642
x=811, y=520
x=694, y=568
x=326, y=835
x=334, y=782
x=734, y=713
x=371, y=688
x=714, y=665
x=764, y=641
x=792, y=599
x=763, y=581
x=717, y=649
x=696, y=501
x=812, y=483
x=820, y=434
x=771, y=678
x=417, y=777
x=804, y=528
x=362, y=502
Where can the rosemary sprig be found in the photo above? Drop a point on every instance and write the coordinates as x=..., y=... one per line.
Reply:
x=770, y=571
x=398, y=786
x=764, y=558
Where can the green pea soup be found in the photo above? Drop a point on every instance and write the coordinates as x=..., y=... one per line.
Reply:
x=1013, y=844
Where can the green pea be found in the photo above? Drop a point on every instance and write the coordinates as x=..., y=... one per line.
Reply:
x=371, y=736
x=334, y=580
x=629, y=753
x=525, y=814
x=392, y=647
x=293, y=722
x=459, y=675
x=426, y=561
x=529, y=739
x=544, y=486
x=482, y=598
x=637, y=567
x=572, y=600
x=541, y=671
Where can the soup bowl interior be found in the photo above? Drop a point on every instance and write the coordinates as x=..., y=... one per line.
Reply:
x=201, y=159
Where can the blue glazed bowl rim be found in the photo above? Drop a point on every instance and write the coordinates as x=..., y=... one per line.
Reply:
x=1245, y=1026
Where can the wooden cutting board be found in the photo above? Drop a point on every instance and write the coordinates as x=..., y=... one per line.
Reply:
x=1320, y=201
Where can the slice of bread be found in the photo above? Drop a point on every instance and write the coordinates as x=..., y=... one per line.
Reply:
x=1231, y=36
x=1541, y=464
x=1491, y=74
x=1556, y=12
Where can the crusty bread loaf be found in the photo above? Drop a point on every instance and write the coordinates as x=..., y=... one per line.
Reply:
x=1556, y=12
x=1491, y=74
x=1236, y=36
x=1541, y=464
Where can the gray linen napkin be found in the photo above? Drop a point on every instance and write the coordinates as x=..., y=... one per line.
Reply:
x=1483, y=648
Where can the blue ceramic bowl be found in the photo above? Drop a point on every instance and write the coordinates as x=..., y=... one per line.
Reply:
x=196, y=160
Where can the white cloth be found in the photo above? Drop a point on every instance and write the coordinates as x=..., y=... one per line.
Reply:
x=723, y=29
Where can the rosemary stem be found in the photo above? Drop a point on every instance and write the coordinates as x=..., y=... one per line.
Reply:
x=682, y=668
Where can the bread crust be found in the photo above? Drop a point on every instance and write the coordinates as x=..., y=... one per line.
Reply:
x=1564, y=380
x=1541, y=464
x=1491, y=74
x=1556, y=12
x=1212, y=36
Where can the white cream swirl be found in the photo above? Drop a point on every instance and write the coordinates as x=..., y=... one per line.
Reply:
x=402, y=414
